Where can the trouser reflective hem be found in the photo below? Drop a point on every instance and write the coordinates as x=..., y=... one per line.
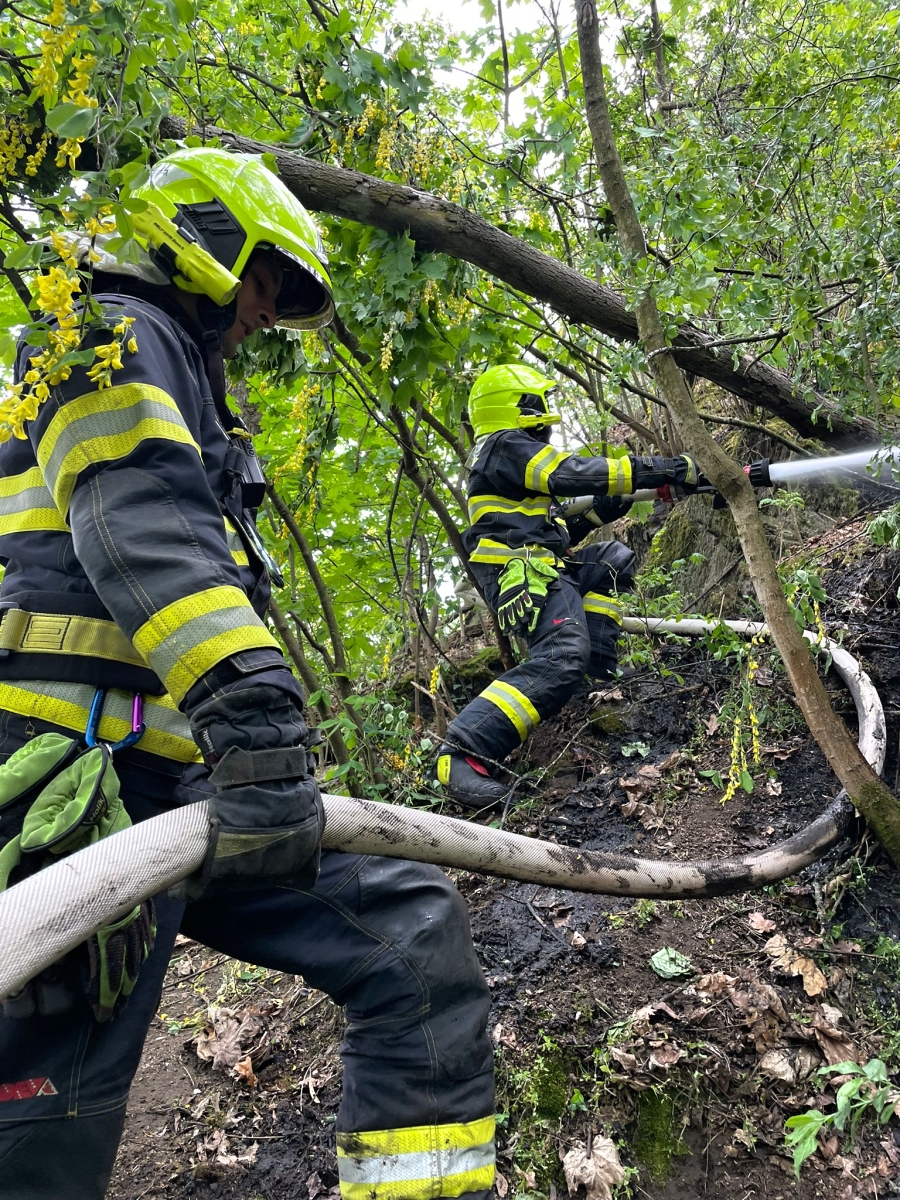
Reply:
x=514, y=705
x=421, y=1163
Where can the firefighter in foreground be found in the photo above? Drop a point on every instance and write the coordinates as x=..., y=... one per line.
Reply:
x=131, y=622
x=566, y=605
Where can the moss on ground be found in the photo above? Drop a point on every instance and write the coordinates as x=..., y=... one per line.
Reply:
x=658, y=1139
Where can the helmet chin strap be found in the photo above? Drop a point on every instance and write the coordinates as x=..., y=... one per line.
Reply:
x=214, y=319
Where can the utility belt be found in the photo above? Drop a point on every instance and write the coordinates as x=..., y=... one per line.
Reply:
x=70, y=638
x=499, y=554
x=69, y=706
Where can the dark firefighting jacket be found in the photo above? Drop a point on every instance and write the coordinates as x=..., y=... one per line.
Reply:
x=131, y=561
x=513, y=481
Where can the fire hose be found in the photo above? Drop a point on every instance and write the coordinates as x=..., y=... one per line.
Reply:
x=50, y=913
x=876, y=466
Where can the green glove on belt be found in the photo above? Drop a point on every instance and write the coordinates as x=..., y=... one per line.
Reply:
x=524, y=583
x=62, y=800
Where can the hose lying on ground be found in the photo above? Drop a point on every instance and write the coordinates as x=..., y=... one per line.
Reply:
x=53, y=911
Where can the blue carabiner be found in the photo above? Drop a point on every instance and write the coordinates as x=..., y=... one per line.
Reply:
x=93, y=723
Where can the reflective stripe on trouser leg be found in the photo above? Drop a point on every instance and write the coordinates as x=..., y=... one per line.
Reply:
x=498, y=721
x=422, y=1163
x=603, y=606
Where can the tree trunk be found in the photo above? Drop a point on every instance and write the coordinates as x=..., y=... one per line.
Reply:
x=450, y=229
x=870, y=795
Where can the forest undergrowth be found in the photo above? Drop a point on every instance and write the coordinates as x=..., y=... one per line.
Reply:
x=686, y=1032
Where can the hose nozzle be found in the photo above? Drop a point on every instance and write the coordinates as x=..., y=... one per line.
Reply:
x=758, y=473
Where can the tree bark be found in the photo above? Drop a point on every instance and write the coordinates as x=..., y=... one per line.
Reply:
x=440, y=226
x=868, y=793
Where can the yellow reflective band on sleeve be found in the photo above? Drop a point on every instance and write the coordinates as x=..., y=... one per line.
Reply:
x=490, y=551
x=103, y=426
x=513, y=704
x=482, y=506
x=539, y=469
x=606, y=606
x=26, y=505
x=168, y=733
x=424, y=1163
x=235, y=545
x=188, y=637
x=620, y=477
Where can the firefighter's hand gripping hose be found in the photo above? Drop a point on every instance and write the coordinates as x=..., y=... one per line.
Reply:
x=53, y=911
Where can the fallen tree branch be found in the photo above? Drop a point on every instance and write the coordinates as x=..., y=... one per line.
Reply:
x=448, y=228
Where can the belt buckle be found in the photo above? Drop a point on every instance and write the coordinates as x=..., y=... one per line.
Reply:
x=5, y=606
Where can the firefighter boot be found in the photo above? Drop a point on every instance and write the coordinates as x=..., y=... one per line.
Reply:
x=467, y=780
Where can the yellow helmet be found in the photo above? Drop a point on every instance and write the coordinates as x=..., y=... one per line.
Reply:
x=206, y=212
x=511, y=396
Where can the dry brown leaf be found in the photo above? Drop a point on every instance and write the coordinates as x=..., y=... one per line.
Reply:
x=314, y=1185
x=790, y=1064
x=711, y=723
x=835, y=1045
x=666, y=1055
x=228, y=1032
x=761, y=923
x=606, y=695
x=773, y=787
x=714, y=984
x=789, y=961
x=577, y=941
x=502, y=1035
x=635, y=789
x=598, y=1172
x=243, y=1068
x=833, y=1015
x=814, y=982
x=847, y=947
x=500, y=1183
x=641, y=1017
x=623, y=1058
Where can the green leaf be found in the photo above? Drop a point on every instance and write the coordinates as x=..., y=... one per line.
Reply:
x=670, y=964
x=747, y=782
x=71, y=120
x=132, y=68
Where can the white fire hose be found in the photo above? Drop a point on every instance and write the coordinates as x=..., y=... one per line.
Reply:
x=50, y=913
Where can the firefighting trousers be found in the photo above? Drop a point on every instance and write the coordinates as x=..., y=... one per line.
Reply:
x=575, y=634
x=389, y=940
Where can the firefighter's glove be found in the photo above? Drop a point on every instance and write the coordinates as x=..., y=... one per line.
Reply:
x=115, y=955
x=266, y=816
x=77, y=804
x=681, y=474
x=524, y=584
x=608, y=508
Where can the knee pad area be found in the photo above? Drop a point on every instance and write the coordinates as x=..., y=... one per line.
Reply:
x=606, y=568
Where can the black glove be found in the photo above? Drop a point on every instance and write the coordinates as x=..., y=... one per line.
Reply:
x=681, y=473
x=267, y=815
x=608, y=508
